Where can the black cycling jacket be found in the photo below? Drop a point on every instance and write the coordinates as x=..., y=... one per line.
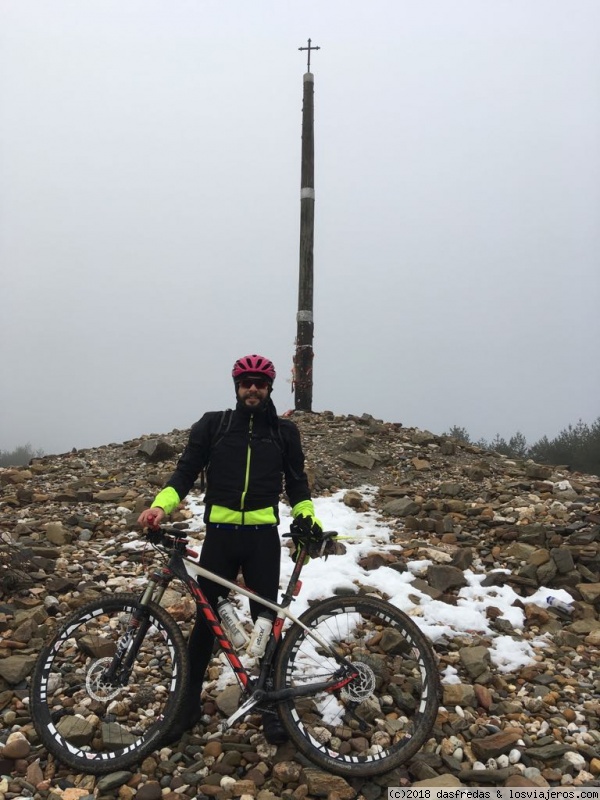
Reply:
x=245, y=466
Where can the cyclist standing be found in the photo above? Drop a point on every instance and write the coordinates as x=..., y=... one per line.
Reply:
x=248, y=454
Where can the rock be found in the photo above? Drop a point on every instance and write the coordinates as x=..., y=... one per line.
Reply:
x=547, y=752
x=538, y=471
x=439, y=780
x=155, y=450
x=590, y=592
x=519, y=780
x=353, y=499
x=34, y=774
x=214, y=749
x=78, y=732
x=15, y=668
x=420, y=464
x=423, y=438
x=57, y=534
x=476, y=660
x=402, y=507
x=459, y=694
x=322, y=784
x=444, y=577
x=17, y=746
x=451, y=489
x=15, y=476
x=228, y=700
x=149, y=791
x=113, y=780
x=512, y=530
x=494, y=745
x=287, y=771
x=357, y=443
x=358, y=460
x=110, y=495
x=593, y=638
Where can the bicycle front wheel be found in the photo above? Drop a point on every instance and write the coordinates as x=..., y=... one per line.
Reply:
x=379, y=719
x=100, y=698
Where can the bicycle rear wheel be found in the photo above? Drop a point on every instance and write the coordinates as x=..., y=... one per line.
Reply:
x=96, y=718
x=380, y=718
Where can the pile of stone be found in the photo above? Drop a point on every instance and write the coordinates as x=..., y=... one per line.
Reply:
x=65, y=519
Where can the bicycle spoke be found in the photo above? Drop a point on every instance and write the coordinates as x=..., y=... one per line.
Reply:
x=382, y=715
x=88, y=709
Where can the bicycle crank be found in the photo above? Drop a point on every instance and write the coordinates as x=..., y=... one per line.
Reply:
x=244, y=709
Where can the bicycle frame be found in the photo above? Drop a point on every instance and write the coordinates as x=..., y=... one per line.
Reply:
x=182, y=561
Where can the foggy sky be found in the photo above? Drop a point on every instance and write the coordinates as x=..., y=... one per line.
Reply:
x=150, y=210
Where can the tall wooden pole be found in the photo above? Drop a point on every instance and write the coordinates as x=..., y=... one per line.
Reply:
x=303, y=359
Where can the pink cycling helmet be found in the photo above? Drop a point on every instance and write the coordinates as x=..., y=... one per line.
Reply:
x=254, y=364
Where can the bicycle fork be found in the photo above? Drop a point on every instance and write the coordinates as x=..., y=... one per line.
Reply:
x=129, y=643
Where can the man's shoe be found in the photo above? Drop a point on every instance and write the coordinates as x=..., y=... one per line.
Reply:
x=189, y=717
x=273, y=729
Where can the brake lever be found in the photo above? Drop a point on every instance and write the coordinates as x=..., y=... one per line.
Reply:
x=154, y=535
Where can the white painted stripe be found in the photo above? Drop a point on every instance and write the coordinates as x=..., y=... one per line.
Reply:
x=307, y=193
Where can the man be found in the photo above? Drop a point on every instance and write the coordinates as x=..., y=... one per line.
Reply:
x=247, y=454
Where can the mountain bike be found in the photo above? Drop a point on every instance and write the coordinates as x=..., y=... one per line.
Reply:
x=354, y=679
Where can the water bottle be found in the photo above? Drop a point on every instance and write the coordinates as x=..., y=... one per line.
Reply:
x=232, y=624
x=259, y=637
x=560, y=605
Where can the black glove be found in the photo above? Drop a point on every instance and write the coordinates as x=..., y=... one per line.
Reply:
x=306, y=528
x=306, y=532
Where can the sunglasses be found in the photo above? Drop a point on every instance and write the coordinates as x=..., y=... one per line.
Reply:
x=259, y=383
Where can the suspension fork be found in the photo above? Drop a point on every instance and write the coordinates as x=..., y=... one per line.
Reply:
x=131, y=640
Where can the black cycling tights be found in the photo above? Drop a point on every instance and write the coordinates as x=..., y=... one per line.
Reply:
x=258, y=554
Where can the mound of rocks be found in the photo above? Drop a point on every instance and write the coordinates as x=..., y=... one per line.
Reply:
x=66, y=517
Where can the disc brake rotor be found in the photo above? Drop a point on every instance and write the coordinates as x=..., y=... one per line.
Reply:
x=97, y=687
x=362, y=686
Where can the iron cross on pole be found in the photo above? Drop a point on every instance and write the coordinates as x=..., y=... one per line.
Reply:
x=309, y=48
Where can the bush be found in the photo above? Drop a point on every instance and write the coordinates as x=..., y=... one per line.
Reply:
x=456, y=432
x=577, y=447
x=19, y=456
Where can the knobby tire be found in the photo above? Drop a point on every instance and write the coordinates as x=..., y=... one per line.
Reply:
x=382, y=717
x=98, y=726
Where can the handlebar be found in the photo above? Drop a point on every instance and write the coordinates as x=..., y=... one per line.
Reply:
x=166, y=535
x=321, y=537
x=169, y=536
x=313, y=544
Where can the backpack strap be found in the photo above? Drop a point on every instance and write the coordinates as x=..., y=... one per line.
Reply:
x=220, y=432
x=223, y=427
x=280, y=442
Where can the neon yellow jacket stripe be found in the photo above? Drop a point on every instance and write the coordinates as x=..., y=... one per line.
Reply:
x=260, y=516
x=167, y=499
x=304, y=507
